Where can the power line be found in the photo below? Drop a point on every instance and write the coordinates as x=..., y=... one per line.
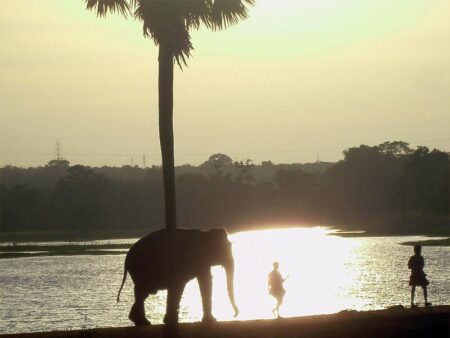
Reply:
x=273, y=151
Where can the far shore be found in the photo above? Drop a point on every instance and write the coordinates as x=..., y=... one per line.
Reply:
x=17, y=250
x=430, y=242
x=18, y=237
x=69, y=236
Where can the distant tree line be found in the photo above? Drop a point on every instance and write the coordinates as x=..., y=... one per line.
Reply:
x=389, y=188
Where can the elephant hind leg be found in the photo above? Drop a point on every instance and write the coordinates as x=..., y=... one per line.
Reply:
x=137, y=312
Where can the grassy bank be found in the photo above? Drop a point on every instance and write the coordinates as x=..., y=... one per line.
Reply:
x=69, y=236
x=430, y=242
x=412, y=224
x=17, y=251
x=397, y=322
x=396, y=224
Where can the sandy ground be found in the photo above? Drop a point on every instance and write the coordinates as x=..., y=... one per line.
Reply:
x=396, y=322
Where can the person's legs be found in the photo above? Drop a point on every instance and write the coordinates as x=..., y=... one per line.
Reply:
x=425, y=295
x=279, y=302
x=276, y=309
x=413, y=290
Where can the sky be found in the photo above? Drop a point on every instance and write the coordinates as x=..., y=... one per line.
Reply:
x=297, y=80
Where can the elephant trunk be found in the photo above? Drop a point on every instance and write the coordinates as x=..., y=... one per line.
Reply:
x=229, y=268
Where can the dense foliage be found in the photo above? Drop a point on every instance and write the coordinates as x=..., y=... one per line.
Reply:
x=388, y=188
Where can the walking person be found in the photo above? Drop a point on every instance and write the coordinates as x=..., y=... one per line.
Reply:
x=418, y=277
x=276, y=289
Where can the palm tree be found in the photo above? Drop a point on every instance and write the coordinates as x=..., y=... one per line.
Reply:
x=168, y=23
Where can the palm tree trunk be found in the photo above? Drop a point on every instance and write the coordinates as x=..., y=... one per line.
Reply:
x=165, y=88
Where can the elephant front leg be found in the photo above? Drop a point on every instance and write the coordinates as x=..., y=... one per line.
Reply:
x=137, y=312
x=174, y=297
x=205, y=284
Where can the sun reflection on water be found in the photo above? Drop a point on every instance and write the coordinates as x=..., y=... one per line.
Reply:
x=317, y=265
x=327, y=274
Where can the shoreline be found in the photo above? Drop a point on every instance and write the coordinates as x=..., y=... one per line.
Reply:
x=9, y=250
x=429, y=242
x=54, y=236
x=397, y=321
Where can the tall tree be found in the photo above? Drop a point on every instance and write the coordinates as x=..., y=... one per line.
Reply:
x=168, y=23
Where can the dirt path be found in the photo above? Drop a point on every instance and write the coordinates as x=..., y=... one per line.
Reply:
x=399, y=322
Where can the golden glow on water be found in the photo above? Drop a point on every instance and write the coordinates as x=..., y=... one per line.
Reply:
x=327, y=274
x=317, y=265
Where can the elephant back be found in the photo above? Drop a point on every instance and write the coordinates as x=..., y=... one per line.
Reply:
x=146, y=260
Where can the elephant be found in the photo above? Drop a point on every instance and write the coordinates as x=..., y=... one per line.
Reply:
x=197, y=252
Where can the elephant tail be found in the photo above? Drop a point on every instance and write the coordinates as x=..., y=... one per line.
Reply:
x=123, y=282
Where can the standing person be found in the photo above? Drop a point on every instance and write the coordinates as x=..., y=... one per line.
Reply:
x=276, y=289
x=418, y=277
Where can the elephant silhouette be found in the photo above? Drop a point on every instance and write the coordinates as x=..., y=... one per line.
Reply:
x=197, y=252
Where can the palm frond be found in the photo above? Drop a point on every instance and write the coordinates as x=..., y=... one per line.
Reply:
x=165, y=22
x=225, y=13
x=102, y=7
x=170, y=21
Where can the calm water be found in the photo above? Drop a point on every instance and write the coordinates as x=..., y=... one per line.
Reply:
x=326, y=274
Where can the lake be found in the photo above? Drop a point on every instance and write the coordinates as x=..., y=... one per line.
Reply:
x=327, y=274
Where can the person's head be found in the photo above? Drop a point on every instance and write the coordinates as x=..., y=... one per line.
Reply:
x=417, y=249
x=276, y=265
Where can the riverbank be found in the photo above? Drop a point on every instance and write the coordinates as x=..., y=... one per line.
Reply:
x=69, y=236
x=395, y=322
x=387, y=227
x=430, y=242
x=396, y=226
x=16, y=250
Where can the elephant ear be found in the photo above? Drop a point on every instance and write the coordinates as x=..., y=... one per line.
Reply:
x=217, y=243
x=218, y=236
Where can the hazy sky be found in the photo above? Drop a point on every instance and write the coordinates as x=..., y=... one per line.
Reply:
x=297, y=79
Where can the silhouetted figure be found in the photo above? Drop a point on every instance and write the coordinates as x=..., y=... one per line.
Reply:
x=276, y=288
x=418, y=276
